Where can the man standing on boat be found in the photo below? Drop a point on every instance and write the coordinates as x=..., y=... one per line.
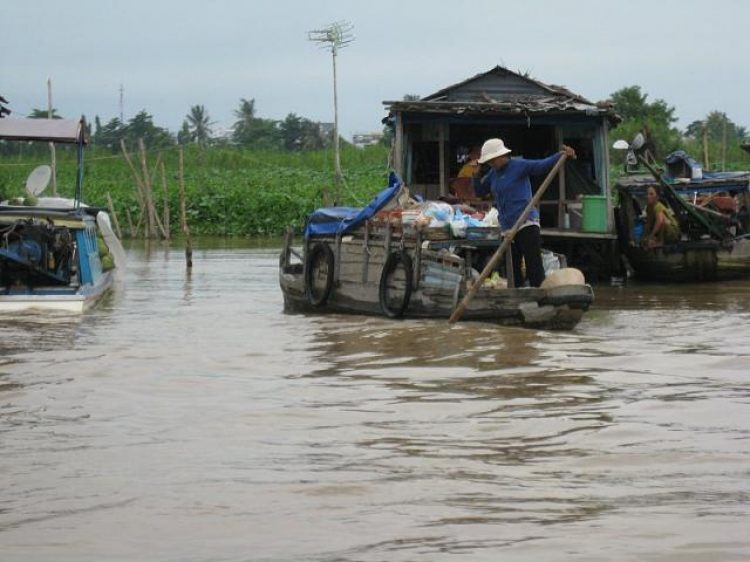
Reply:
x=509, y=182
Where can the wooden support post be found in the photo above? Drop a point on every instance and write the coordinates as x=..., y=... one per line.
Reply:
x=604, y=174
x=183, y=214
x=441, y=156
x=398, y=146
x=561, y=206
x=116, y=222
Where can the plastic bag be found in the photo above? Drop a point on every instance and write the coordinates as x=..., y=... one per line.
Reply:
x=458, y=228
x=491, y=218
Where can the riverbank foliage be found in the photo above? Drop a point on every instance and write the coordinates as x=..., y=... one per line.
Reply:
x=230, y=192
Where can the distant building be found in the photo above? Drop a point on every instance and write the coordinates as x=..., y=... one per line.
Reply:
x=360, y=140
x=326, y=128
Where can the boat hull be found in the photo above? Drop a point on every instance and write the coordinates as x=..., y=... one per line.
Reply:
x=690, y=262
x=437, y=285
x=57, y=301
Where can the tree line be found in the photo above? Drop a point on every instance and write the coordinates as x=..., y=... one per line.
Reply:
x=293, y=133
x=715, y=136
x=722, y=137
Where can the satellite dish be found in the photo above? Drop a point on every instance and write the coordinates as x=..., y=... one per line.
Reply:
x=38, y=180
x=621, y=145
x=639, y=141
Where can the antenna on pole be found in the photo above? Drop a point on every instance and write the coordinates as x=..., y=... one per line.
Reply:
x=333, y=38
x=122, y=103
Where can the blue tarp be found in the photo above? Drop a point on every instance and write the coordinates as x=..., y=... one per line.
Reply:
x=329, y=221
x=681, y=156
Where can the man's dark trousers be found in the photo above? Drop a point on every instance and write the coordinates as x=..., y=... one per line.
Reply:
x=528, y=245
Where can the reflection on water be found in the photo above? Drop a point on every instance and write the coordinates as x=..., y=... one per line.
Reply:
x=188, y=418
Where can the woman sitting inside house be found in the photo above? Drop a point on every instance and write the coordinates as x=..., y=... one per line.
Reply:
x=661, y=225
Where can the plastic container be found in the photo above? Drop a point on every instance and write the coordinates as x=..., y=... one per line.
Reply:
x=594, y=210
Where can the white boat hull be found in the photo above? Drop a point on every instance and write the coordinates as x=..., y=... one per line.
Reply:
x=75, y=303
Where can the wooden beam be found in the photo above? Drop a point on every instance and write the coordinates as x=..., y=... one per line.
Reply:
x=561, y=196
x=604, y=179
x=398, y=146
x=441, y=155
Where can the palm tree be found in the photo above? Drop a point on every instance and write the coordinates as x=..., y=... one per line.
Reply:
x=243, y=127
x=199, y=124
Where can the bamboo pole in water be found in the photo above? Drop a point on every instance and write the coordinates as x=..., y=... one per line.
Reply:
x=166, y=200
x=131, y=226
x=147, y=192
x=183, y=215
x=116, y=222
x=507, y=239
x=138, y=186
x=154, y=222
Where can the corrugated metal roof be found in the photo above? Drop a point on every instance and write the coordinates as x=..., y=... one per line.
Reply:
x=45, y=130
x=503, y=91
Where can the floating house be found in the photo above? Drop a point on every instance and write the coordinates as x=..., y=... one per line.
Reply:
x=434, y=134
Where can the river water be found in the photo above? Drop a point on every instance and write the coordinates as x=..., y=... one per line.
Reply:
x=190, y=419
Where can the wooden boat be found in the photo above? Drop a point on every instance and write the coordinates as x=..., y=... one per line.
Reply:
x=51, y=253
x=352, y=264
x=714, y=221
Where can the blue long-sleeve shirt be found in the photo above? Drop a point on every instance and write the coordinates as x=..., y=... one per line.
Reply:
x=511, y=188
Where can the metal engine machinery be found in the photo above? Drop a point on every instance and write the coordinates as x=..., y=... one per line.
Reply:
x=34, y=253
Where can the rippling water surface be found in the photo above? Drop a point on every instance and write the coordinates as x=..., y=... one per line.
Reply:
x=188, y=418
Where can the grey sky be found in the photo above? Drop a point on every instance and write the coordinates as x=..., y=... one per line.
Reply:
x=172, y=54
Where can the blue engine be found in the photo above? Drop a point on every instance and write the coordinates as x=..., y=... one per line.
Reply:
x=27, y=250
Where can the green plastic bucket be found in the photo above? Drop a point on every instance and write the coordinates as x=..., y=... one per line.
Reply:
x=594, y=211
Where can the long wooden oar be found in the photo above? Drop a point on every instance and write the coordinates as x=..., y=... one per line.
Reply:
x=507, y=239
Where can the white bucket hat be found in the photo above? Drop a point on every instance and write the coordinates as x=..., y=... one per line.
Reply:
x=492, y=149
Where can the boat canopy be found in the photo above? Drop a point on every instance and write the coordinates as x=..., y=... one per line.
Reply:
x=71, y=131
x=329, y=221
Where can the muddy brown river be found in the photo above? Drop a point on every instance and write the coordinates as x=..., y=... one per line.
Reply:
x=190, y=419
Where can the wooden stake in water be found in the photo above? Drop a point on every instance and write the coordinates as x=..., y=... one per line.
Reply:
x=507, y=239
x=166, y=200
x=116, y=222
x=183, y=215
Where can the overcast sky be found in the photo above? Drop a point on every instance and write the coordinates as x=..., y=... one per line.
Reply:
x=172, y=54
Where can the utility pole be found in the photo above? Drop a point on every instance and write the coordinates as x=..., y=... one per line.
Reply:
x=333, y=38
x=724, y=145
x=53, y=154
x=122, y=103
